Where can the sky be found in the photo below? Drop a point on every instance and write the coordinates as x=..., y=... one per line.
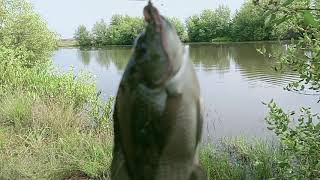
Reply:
x=64, y=16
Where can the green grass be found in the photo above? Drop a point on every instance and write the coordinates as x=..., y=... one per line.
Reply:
x=52, y=124
x=239, y=159
x=44, y=140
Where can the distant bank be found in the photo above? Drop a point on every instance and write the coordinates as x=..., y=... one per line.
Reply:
x=68, y=43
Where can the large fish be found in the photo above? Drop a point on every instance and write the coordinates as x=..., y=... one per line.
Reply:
x=157, y=115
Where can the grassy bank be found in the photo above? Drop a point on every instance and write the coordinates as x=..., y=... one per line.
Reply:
x=240, y=159
x=51, y=140
x=52, y=125
x=55, y=141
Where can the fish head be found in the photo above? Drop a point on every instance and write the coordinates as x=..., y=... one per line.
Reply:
x=158, y=49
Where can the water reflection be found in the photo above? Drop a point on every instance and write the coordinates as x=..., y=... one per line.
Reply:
x=210, y=57
x=234, y=79
x=84, y=55
x=256, y=67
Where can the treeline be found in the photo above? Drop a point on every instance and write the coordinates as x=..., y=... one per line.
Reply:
x=248, y=24
x=122, y=30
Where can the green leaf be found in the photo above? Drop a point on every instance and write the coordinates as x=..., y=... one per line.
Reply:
x=309, y=19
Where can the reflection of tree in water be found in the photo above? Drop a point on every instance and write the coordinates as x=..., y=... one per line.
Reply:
x=84, y=55
x=102, y=58
x=255, y=66
x=119, y=56
x=211, y=56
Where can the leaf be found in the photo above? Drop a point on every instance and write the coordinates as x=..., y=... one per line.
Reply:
x=288, y=2
x=309, y=19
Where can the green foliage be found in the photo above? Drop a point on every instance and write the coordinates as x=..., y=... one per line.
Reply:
x=25, y=32
x=240, y=159
x=124, y=29
x=249, y=24
x=50, y=140
x=209, y=25
x=180, y=28
x=302, y=55
x=299, y=139
x=83, y=36
x=52, y=124
x=100, y=33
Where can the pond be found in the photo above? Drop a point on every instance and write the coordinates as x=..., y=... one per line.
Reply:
x=234, y=78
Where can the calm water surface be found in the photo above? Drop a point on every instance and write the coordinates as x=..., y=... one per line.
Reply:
x=234, y=78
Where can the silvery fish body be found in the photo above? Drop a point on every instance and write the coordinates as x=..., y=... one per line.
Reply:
x=157, y=115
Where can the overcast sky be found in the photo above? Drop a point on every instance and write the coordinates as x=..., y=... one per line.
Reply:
x=64, y=16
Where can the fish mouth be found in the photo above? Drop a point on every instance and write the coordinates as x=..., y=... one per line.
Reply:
x=152, y=15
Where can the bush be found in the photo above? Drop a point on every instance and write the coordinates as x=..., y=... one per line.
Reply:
x=24, y=32
x=299, y=140
x=298, y=132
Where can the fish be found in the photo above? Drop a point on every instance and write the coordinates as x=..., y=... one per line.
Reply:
x=158, y=114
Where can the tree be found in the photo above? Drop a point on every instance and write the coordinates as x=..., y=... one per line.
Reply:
x=83, y=36
x=209, y=25
x=180, y=28
x=100, y=32
x=249, y=24
x=124, y=29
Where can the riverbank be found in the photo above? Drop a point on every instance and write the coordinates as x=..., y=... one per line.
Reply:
x=71, y=43
x=56, y=141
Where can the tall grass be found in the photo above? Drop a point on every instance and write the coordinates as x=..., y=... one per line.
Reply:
x=53, y=125
x=51, y=139
x=240, y=159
